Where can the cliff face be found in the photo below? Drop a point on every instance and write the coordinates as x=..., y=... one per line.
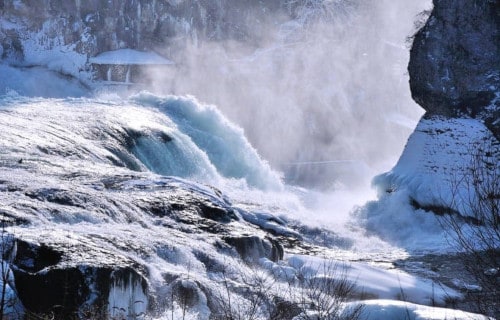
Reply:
x=454, y=75
x=137, y=24
x=455, y=61
x=63, y=34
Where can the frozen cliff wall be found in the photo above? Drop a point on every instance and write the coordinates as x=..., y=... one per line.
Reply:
x=96, y=26
x=62, y=35
x=454, y=76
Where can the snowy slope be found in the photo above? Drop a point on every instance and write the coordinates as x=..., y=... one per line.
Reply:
x=431, y=177
x=437, y=156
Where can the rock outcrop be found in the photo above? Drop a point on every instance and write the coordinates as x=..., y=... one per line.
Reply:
x=454, y=73
x=97, y=26
x=455, y=61
x=93, y=232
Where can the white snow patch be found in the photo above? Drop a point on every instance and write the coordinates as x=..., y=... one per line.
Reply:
x=437, y=152
x=375, y=281
x=54, y=53
x=396, y=310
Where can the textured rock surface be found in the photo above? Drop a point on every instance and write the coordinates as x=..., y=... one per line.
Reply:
x=103, y=239
x=53, y=278
x=252, y=248
x=138, y=24
x=455, y=76
x=455, y=61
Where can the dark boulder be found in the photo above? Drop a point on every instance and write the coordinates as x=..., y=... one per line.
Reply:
x=49, y=281
x=216, y=213
x=188, y=293
x=252, y=248
x=58, y=291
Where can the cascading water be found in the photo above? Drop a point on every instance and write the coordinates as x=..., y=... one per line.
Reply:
x=223, y=143
x=170, y=136
x=324, y=97
x=145, y=196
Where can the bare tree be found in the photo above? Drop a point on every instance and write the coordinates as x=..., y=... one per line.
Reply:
x=10, y=305
x=5, y=273
x=475, y=227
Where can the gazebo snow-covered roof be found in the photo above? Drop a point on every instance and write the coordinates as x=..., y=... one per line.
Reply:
x=125, y=65
x=129, y=57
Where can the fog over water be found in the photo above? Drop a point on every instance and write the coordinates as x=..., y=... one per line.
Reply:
x=324, y=98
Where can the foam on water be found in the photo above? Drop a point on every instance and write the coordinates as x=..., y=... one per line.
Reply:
x=223, y=142
x=174, y=136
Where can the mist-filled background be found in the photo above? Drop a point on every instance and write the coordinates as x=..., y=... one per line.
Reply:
x=323, y=97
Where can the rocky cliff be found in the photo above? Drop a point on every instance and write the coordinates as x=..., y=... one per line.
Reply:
x=90, y=27
x=63, y=35
x=455, y=61
x=454, y=73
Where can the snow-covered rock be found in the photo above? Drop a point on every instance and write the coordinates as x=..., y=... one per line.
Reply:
x=94, y=228
x=438, y=157
x=454, y=76
x=63, y=35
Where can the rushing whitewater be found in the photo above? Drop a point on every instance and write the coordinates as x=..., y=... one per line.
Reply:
x=76, y=178
x=118, y=203
x=120, y=194
x=173, y=136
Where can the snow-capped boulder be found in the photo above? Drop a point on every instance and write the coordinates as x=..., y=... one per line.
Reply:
x=436, y=166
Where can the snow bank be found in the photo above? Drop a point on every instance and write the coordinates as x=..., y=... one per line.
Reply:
x=396, y=310
x=375, y=281
x=435, y=159
x=429, y=176
x=39, y=82
x=54, y=53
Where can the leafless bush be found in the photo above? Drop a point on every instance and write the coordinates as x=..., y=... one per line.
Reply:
x=248, y=299
x=320, y=295
x=323, y=294
x=475, y=228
